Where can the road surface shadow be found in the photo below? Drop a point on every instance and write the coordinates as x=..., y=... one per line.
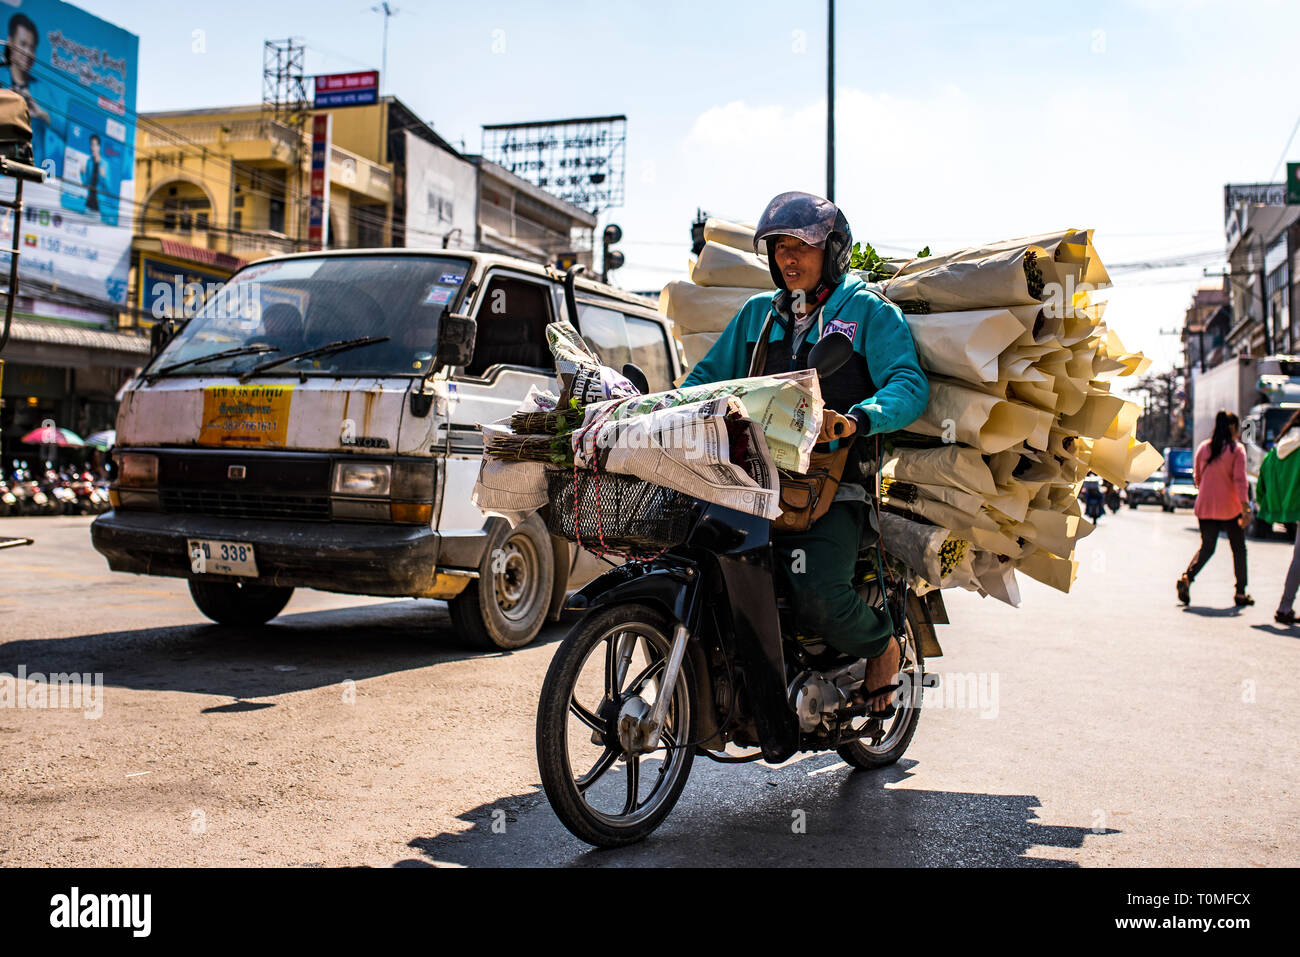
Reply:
x=1207, y=612
x=751, y=817
x=292, y=653
x=1282, y=631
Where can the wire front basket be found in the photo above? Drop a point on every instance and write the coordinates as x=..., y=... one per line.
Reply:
x=607, y=512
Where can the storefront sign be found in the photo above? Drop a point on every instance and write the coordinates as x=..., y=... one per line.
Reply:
x=318, y=222
x=170, y=290
x=347, y=89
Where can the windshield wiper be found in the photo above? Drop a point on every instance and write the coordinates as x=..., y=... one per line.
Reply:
x=228, y=354
x=328, y=349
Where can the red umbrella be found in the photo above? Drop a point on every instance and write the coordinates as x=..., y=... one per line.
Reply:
x=49, y=435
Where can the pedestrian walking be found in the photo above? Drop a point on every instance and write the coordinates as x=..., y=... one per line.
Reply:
x=1277, y=497
x=1222, y=503
x=1094, y=501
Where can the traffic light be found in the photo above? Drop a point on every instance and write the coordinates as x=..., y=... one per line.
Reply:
x=611, y=259
x=697, y=232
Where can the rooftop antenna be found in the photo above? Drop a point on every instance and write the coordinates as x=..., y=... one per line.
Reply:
x=388, y=12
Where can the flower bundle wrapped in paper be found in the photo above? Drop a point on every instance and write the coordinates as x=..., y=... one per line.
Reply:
x=722, y=442
x=1020, y=366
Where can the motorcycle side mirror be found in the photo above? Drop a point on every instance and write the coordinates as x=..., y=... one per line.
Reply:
x=830, y=353
x=455, y=340
x=633, y=374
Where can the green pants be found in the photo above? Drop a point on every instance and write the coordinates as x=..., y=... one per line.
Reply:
x=817, y=569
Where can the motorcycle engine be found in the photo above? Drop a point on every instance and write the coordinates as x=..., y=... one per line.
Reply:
x=817, y=696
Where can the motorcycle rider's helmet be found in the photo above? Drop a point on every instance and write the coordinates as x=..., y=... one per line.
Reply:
x=816, y=221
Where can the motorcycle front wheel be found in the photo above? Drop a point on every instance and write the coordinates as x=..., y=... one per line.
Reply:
x=612, y=663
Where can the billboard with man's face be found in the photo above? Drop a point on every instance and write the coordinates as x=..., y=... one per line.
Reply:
x=78, y=76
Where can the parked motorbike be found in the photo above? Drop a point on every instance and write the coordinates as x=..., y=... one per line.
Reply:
x=8, y=500
x=59, y=488
x=684, y=653
x=32, y=499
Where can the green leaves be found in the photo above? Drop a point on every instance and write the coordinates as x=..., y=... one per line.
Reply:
x=876, y=266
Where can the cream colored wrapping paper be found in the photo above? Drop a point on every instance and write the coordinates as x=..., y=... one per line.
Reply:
x=975, y=418
x=695, y=308
x=720, y=265
x=735, y=235
x=1053, y=531
x=964, y=345
x=1094, y=417
x=977, y=278
x=958, y=498
x=946, y=465
x=1058, y=573
x=697, y=345
x=1143, y=461
x=997, y=577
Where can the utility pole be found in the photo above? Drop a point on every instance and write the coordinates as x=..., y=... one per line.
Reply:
x=830, y=100
x=388, y=13
x=284, y=97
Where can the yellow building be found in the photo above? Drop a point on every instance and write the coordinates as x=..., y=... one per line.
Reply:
x=221, y=187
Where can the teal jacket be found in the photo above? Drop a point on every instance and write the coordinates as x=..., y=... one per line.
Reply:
x=879, y=332
x=1277, y=491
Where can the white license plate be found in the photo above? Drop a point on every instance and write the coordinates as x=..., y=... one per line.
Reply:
x=209, y=557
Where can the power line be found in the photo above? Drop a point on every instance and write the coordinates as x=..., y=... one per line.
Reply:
x=1286, y=149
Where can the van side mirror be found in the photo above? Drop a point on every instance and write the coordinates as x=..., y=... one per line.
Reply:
x=455, y=340
x=161, y=333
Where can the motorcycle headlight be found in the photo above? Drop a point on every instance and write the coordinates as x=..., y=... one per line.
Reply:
x=138, y=471
x=362, y=478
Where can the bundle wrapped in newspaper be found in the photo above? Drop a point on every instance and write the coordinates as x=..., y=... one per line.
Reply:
x=722, y=442
x=1020, y=366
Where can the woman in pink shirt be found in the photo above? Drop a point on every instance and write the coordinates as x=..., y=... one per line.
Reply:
x=1222, y=503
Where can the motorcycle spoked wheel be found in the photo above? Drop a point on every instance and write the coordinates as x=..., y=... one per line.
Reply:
x=886, y=740
x=602, y=794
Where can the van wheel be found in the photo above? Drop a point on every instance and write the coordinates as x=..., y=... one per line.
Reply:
x=239, y=603
x=504, y=608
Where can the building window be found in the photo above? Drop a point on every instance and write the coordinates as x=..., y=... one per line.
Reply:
x=276, y=216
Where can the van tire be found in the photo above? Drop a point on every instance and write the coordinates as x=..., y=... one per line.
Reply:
x=239, y=603
x=505, y=607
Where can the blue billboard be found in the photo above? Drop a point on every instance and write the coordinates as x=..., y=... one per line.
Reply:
x=78, y=75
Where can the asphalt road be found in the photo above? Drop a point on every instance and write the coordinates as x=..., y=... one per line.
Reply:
x=1115, y=728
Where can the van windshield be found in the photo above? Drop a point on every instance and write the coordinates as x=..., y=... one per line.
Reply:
x=277, y=309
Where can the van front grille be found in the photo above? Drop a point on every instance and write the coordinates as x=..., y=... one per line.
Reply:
x=227, y=504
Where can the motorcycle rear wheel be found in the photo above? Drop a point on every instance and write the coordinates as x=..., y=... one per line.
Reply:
x=886, y=740
x=611, y=656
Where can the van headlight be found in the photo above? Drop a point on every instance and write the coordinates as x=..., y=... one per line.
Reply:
x=362, y=478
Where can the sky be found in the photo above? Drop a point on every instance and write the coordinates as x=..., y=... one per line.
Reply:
x=956, y=123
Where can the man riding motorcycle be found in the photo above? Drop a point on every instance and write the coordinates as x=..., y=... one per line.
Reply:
x=880, y=389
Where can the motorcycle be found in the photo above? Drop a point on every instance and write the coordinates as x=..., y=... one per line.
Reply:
x=693, y=649
x=9, y=504
x=57, y=486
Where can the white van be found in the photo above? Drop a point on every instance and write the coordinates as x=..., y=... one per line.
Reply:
x=316, y=424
